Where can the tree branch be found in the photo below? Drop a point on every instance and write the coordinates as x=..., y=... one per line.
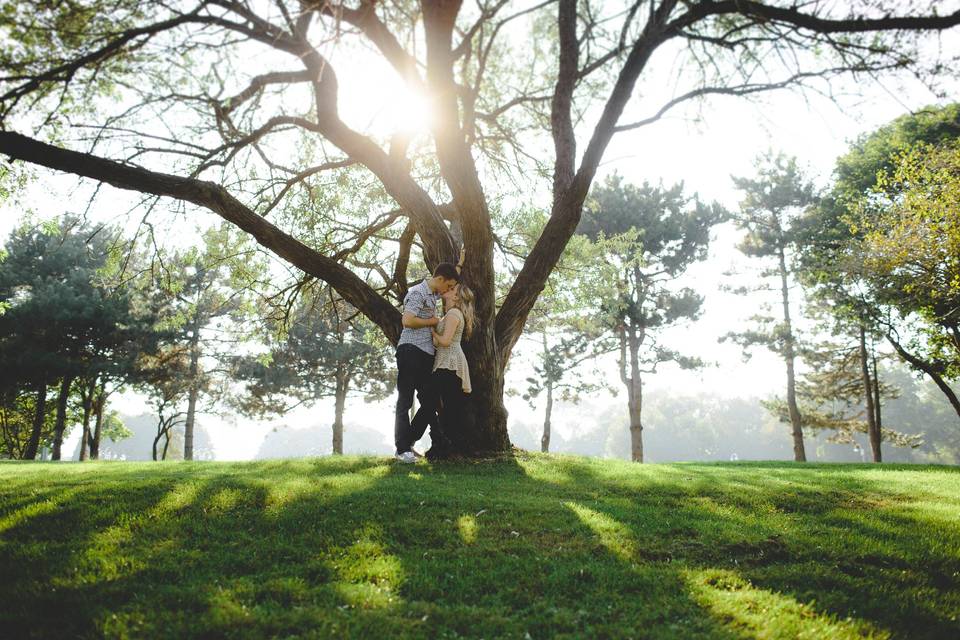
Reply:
x=795, y=17
x=218, y=200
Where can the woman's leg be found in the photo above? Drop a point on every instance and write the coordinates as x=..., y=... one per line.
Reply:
x=446, y=382
x=454, y=402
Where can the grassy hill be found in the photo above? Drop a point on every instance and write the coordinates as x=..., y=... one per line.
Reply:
x=538, y=547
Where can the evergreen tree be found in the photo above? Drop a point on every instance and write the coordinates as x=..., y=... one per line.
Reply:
x=773, y=201
x=649, y=237
x=321, y=349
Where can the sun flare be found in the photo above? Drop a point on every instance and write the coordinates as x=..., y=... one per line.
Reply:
x=408, y=111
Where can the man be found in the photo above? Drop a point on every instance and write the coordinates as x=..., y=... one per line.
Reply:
x=415, y=353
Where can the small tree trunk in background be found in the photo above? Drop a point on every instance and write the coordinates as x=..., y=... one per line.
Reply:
x=636, y=423
x=343, y=385
x=192, y=402
x=876, y=392
x=61, y=417
x=873, y=430
x=548, y=414
x=161, y=429
x=86, y=394
x=545, y=439
x=41, y=409
x=634, y=388
x=100, y=400
x=789, y=355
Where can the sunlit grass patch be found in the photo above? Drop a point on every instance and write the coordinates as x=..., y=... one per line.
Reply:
x=545, y=546
x=761, y=613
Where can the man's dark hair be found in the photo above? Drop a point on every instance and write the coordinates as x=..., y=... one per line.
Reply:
x=447, y=270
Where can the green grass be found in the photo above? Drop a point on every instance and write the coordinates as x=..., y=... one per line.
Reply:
x=539, y=547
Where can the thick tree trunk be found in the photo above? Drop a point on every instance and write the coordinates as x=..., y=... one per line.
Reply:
x=61, y=417
x=485, y=431
x=343, y=385
x=789, y=356
x=873, y=430
x=38, y=418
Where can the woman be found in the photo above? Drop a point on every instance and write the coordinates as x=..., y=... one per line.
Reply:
x=451, y=374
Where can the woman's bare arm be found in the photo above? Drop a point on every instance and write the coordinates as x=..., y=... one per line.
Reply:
x=451, y=322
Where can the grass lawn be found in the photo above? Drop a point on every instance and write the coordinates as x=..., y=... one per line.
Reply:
x=536, y=547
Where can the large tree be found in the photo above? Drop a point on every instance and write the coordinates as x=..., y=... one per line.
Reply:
x=203, y=101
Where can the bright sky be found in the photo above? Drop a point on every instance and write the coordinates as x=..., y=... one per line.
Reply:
x=732, y=133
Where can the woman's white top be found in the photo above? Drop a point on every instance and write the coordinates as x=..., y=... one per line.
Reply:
x=452, y=357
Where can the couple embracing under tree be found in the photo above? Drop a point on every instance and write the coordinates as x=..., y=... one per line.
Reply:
x=431, y=362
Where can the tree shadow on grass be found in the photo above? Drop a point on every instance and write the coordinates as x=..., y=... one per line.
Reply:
x=359, y=547
x=853, y=546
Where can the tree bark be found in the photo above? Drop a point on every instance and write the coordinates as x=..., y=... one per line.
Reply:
x=873, y=430
x=33, y=444
x=340, y=401
x=485, y=430
x=922, y=365
x=789, y=356
x=61, y=417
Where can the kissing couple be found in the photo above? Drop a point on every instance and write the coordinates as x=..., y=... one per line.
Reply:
x=430, y=361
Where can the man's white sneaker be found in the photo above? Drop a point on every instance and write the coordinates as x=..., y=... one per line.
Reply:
x=407, y=457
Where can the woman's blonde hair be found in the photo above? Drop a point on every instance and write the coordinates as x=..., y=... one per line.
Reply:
x=465, y=304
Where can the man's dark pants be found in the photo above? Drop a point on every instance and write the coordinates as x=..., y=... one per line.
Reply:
x=414, y=373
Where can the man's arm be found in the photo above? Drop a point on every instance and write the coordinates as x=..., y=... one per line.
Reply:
x=411, y=321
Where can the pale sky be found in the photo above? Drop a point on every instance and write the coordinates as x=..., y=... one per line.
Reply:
x=732, y=133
